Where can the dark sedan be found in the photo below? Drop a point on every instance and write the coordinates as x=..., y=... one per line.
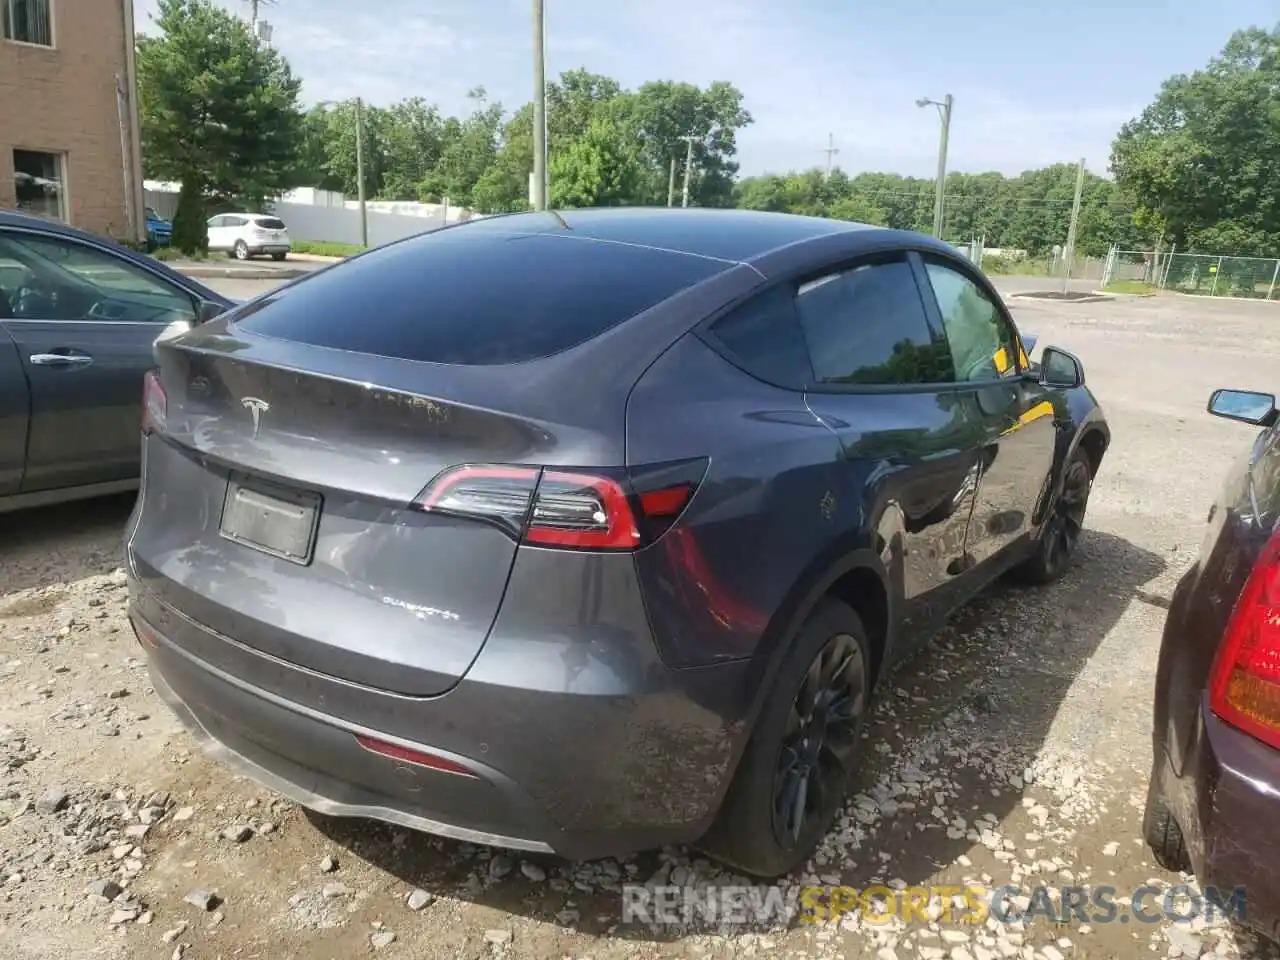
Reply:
x=1215, y=786
x=592, y=531
x=78, y=317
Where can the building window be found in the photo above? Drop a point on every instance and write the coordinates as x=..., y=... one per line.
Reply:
x=28, y=21
x=39, y=184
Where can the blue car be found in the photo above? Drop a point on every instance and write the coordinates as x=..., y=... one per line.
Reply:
x=159, y=230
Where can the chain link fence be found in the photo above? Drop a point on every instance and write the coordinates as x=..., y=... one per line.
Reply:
x=1205, y=274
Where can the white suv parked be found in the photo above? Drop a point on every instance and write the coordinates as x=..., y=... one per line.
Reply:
x=243, y=235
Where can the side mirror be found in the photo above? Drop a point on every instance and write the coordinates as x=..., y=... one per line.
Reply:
x=207, y=310
x=1060, y=369
x=1247, y=406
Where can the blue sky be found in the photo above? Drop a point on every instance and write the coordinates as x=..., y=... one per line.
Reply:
x=1035, y=81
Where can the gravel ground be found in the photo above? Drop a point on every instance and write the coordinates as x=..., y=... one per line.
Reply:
x=1016, y=750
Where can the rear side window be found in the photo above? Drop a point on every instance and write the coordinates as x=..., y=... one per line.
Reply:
x=868, y=326
x=476, y=298
x=270, y=223
x=763, y=337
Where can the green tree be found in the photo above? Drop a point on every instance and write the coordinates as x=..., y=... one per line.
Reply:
x=656, y=117
x=1202, y=162
x=219, y=111
x=597, y=169
x=470, y=147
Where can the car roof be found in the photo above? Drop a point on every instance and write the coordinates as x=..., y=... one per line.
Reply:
x=734, y=236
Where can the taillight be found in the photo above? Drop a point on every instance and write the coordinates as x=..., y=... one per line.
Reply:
x=155, y=404
x=566, y=509
x=1245, y=686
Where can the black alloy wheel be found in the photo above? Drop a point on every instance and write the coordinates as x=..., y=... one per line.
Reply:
x=820, y=741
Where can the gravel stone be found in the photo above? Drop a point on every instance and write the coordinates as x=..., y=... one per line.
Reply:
x=418, y=899
x=533, y=871
x=107, y=889
x=500, y=866
x=53, y=800
x=237, y=833
x=203, y=899
x=383, y=938
x=328, y=865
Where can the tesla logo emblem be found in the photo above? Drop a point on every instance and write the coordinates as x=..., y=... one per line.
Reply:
x=257, y=408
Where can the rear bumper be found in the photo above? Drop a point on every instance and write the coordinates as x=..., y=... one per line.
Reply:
x=280, y=747
x=1226, y=803
x=631, y=759
x=269, y=246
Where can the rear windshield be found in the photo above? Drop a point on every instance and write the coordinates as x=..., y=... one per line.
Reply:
x=270, y=223
x=476, y=297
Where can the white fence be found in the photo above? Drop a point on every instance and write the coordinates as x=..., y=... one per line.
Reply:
x=325, y=217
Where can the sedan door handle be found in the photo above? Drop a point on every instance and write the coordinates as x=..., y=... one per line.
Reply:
x=60, y=360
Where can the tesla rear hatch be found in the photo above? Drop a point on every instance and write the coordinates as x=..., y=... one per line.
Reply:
x=338, y=475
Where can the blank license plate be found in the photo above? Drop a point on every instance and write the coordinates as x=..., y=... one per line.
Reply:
x=271, y=519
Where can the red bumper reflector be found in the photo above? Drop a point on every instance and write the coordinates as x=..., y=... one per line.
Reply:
x=415, y=757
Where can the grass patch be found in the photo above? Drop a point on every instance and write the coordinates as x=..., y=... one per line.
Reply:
x=325, y=248
x=1011, y=267
x=173, y=253
x=1135, y=287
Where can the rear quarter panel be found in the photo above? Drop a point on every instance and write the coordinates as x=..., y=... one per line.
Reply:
x=713, y=582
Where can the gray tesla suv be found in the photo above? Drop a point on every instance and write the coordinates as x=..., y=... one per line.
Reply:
x=592, y=531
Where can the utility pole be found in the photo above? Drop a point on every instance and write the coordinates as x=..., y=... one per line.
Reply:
x=1070, y=252
x=671, y=183
x=539, y=108
x=939, y=200
x=364, y=216
x=830, y=151
x=688, y=163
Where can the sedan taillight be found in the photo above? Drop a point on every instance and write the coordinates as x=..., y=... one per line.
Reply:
x=1244, y=689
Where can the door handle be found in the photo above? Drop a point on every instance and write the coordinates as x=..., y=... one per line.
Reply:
x=60, y=360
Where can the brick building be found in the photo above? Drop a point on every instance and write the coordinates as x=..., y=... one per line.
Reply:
x=69, y=144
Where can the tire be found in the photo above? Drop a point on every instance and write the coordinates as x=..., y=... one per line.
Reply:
x=1060, y=534
x=241, y=251
x=277, y=257
x=1162, y=832
x=756, y=830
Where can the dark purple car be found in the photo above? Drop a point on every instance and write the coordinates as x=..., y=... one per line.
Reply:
x=1215, y=786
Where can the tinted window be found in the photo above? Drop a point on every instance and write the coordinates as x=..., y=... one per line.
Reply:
x=270, y=223
x=980, y=341
x=217, y=221
x=868, y=326
x=765, y=339
x=60, y=279
x=456, y=296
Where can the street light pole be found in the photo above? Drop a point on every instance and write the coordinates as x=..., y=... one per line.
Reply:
x=688, y=162
x=364, y=216
x=939, y=200
x=539, y=109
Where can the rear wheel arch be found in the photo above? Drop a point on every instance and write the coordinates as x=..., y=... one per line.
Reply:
x=857, y=577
